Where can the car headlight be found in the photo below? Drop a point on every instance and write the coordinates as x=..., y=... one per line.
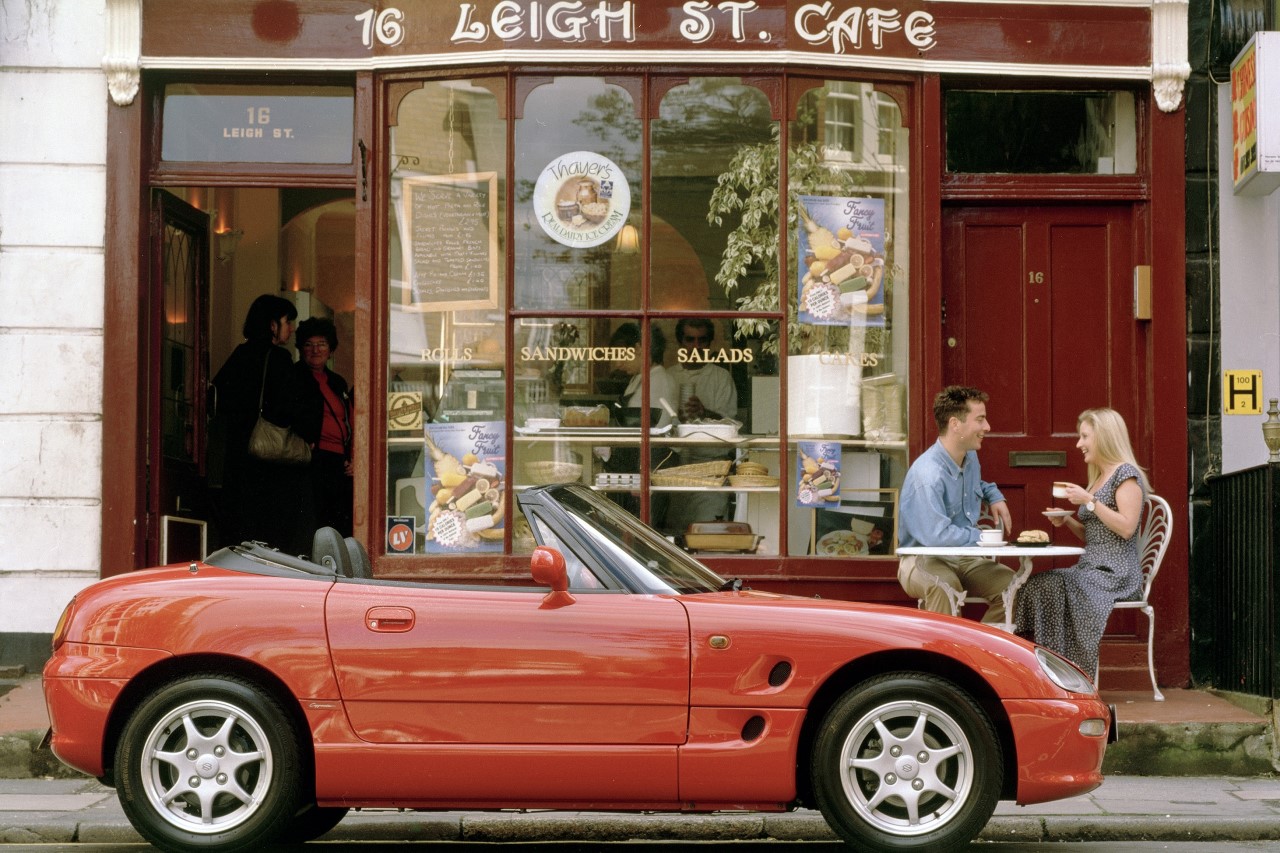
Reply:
x=1063, y=672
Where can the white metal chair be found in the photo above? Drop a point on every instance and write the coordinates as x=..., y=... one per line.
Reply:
x=1153, y=541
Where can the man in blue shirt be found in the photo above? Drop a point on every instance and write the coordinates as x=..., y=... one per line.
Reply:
x=942, y=498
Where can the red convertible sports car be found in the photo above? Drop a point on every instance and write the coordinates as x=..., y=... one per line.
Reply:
x=256, y=696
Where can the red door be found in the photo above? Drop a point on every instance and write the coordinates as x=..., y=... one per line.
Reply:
x=1038, y=312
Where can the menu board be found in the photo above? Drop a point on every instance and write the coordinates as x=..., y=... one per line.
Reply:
x=450, y=233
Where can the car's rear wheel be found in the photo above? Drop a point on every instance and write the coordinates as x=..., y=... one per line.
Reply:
x=907, y=761
x=209, y=763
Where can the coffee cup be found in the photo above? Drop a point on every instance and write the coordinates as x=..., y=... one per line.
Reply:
x=991, y=537
x=1060, y=490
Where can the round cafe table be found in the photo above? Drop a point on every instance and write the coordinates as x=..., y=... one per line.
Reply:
x=1024, y=553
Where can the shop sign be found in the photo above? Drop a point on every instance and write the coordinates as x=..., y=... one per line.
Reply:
x=840, y=278
x=818, y=473
x=897, y=34
x=696, y=22
x=724, y=355
x=449, y=228
x=215, y=123
x=401, y=534
x=575, y=353
x=1255, y=116
x=464, y=473
x=581, y=199
x=404, y=410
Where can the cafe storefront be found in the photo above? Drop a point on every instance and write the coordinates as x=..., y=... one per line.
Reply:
x=713, y=259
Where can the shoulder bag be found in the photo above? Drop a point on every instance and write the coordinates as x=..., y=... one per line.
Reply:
x=272, y=443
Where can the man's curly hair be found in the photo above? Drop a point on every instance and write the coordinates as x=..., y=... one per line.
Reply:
x=953, y=402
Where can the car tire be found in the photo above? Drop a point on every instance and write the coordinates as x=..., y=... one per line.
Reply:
x=209, y=763
x=907, y=761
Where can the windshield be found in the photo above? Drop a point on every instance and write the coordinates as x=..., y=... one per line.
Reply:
x=635, y=549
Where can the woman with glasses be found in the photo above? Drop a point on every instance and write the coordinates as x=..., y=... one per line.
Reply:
x=325, y=423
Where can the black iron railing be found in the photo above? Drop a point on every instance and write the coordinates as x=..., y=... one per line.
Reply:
x=1243, y=651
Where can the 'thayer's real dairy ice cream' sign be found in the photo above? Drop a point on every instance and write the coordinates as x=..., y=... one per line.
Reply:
x=581, y=199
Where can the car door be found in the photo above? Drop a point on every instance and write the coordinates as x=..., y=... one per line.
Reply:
x=584, y=701
x=475, y=665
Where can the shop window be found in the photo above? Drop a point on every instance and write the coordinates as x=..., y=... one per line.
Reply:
x=847, y=272
x=578, y=189
x=1041, y=132
x=446, y=382
x=707, y=128
x=660, y=384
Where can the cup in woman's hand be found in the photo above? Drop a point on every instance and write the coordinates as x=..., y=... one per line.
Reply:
x=1060, y=490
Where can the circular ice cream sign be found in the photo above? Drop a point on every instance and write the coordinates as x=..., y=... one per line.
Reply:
x=581, y=199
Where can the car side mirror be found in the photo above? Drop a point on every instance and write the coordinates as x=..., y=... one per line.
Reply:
x=548, y=569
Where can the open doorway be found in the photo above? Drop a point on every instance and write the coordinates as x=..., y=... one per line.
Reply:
x=216, y=250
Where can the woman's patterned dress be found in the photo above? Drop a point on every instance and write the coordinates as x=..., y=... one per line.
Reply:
x=1066, y=610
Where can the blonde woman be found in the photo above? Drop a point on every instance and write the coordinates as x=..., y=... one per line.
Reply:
x=1066, y=609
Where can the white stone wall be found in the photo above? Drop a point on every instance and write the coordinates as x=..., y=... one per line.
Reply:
x=1249, y=288
x=53, y=116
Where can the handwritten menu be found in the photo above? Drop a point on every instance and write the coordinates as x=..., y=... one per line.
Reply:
x=451, y=248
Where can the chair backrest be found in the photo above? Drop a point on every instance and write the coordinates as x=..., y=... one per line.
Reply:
x=1153, y=541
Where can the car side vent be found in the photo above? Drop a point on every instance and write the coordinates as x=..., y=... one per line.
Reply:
x=753, y=728
x=779, y=674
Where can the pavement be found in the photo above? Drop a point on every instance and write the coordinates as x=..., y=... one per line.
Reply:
x=42, y=802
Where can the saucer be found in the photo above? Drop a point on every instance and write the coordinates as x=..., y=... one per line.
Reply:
x=1057, y=513
x=993, y=544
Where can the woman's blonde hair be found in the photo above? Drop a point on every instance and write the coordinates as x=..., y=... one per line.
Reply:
x=1112, y=437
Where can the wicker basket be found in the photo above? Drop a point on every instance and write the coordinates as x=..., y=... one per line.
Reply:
x=698, y=475
x=748, y=481
x=547, y=473
x=717, y=468
x=663, y=479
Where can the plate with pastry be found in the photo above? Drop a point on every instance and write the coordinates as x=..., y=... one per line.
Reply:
x=1032, y=539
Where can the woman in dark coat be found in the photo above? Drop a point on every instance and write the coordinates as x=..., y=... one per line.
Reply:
x=324, y=420
x=260, y=500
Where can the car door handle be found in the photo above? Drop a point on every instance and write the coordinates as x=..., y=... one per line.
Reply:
x=389, y=620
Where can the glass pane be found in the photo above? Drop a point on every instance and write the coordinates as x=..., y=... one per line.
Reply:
x=714, y=193
x=446, y=359
x=846, y=277
x=219, y=123
x=577, y=204
x=179, y=340
x=1042, y=132
x=569, y=375
x=721, y=462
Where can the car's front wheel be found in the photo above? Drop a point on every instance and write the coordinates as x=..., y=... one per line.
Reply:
x=209, y=763
x=907, y=761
